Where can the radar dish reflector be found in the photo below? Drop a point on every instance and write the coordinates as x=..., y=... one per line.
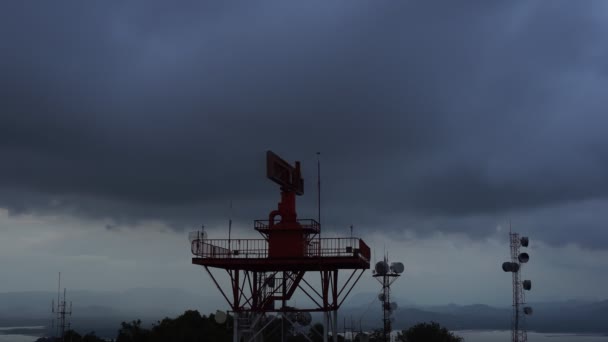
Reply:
x=220, y=317
x=523, y=258
x=528, y=310
x=524, y=241
x=527, y=285
x=397, y=267
x=381, y=267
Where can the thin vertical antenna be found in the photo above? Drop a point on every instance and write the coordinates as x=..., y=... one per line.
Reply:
x=58, y=302
x=351, y=230
x=385, y=255
x=59, y=288
x=319, y=190
x=374, y=251
x=230, y=224
x=63, y=312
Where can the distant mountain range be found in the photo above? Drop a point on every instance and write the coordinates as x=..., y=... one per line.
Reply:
x=102, y=312
x=564, y=316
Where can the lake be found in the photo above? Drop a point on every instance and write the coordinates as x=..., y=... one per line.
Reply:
x=505, y=336
x=17, y=338
x=7, y=334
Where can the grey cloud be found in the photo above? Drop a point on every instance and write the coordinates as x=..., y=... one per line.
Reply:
x=422, y=112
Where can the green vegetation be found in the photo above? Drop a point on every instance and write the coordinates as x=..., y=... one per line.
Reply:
x=189, y=327
x=192, y=327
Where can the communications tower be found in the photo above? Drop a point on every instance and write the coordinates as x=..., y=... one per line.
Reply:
x=60, y=322
x=387, y=275
x=518, y=324
x=263, y=275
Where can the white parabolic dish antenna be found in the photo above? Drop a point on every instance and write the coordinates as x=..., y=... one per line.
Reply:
x=381, y=267
x=220, y=317
x=397, y=267
x=523, y=258
x=304, y=318
x=510, y=266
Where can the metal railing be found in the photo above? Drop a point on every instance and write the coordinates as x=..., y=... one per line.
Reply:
x=225, y=248
x=338, y=247
x=304, y=223
x=258, y=248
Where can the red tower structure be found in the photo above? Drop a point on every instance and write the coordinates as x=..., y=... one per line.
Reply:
x=265, y=274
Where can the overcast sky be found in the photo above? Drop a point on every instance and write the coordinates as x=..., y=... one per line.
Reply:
x=124, y=125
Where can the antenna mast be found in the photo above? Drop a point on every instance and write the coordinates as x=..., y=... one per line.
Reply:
x=387, y=275
x=518, y=328
x=61, y=311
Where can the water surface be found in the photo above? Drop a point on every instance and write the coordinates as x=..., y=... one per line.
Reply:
x=17, y=338
x=505, y=336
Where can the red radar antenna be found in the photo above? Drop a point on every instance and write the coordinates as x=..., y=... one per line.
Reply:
x=267, y=275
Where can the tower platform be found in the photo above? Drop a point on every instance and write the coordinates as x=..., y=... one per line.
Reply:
x=252, y=255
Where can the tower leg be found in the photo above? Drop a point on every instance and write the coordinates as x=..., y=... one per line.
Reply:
x=235, y=327
x=334, y=329
x=325, y=325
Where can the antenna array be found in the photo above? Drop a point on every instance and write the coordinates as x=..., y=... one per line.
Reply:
x=518, y=326
x=387, y=275
x=61, y=310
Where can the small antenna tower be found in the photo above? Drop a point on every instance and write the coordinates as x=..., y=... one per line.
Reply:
x=61, y=323
x=518, y=326
x=387, y=275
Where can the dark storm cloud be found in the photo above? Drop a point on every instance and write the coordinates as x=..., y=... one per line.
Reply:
x=422, y=111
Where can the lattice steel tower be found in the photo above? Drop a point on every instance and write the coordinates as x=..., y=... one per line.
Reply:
x=518, y=322
x=61, y=311
x=387, y=275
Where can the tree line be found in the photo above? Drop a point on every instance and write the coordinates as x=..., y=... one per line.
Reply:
x=191, y=326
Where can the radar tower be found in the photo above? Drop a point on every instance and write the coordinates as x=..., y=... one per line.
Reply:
x=265, y=275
